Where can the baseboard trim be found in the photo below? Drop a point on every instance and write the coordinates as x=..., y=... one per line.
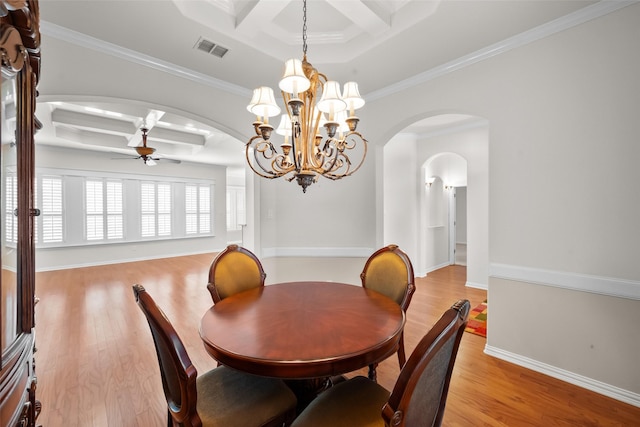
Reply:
x=437, y=267
x=475, y=285
x=122, y=261
x=599, y=387
x=620, y=288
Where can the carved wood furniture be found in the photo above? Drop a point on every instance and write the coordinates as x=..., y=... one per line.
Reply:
x=20, y=71
x=419, y=395
x=302, y=330
x=234, y=270
x=390, y=272
x=219, y=397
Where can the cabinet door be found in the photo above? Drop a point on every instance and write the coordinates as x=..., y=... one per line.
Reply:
x=9, y=216
x=16, y=173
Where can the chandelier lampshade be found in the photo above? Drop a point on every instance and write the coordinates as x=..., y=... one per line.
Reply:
x=352, y=97
x=265, y=104
x=294, y=80
x=315, y=110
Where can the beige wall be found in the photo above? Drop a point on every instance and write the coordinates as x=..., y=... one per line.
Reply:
x=563, y=149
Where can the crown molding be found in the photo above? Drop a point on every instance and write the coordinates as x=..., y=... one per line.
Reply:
x=552, y=27
x=83, y=40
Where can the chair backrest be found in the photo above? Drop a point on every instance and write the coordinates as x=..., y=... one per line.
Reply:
x=178, y=373
x=389, y=271
x=234, y=270
x=420, y=393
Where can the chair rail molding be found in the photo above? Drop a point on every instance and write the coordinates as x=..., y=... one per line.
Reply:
x=609, y=286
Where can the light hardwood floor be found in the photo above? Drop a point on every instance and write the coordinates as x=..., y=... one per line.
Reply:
x=96, y=363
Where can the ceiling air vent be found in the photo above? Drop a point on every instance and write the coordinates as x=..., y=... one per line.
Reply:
x=211, y=47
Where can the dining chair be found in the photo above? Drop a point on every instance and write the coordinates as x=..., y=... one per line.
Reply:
x=420, y=393
x=220, y=397
x=234, y=270
x=389, y=271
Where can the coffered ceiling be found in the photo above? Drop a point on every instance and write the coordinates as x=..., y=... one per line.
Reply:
x=238, y=42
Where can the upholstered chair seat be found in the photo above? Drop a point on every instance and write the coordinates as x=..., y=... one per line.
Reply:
x=229, y=398
x=222, y=397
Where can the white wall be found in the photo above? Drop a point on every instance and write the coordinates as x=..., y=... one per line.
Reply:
x=401, y=195
x=331, y=218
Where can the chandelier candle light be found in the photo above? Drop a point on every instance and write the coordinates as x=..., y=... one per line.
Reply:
x=306, y=153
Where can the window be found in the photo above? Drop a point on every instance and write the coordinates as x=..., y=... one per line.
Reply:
x=48, y=194
x=235, y=208
x=11, y=204
x=115, y=212
x=155, y=208
x=80, y=208
x=198, y=209
x=104, y=215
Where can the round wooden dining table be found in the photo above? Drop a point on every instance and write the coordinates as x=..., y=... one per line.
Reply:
x=302, y=330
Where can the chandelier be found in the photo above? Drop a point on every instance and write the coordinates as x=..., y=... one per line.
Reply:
x=319, y=127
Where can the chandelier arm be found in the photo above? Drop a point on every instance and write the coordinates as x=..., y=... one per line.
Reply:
x=331, y=157
x=248, y=146
x=264, y=150
x=341, y=159
x=365, y=144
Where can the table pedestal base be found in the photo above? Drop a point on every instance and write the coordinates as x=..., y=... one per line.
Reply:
x=308, y=389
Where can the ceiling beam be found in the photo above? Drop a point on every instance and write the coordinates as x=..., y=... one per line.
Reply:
x=373, y=22
x=86, y=137
x=175, y=136
x=92, y=122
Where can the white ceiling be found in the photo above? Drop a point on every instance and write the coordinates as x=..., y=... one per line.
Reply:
x=375, y=42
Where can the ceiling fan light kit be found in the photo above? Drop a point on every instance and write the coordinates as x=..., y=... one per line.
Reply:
x=312, y=102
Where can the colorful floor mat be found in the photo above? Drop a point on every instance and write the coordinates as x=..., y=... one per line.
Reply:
x=477, y=323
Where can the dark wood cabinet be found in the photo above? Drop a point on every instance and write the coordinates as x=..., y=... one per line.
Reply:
x=20, y=71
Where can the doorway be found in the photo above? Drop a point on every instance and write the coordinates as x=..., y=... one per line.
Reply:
x=459, y=235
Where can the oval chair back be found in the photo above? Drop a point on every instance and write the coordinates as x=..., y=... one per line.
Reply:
x=234, y=270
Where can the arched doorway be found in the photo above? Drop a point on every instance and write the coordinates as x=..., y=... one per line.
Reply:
x=405, y=160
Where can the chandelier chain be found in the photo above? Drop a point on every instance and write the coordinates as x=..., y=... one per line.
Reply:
x=304, y=27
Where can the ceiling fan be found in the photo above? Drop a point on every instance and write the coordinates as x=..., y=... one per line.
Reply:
x=146, y=153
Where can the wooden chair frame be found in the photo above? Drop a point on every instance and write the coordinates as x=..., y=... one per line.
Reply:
x=419, y=395
x=406, y=300
x=182, y=404
x=450, y=325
